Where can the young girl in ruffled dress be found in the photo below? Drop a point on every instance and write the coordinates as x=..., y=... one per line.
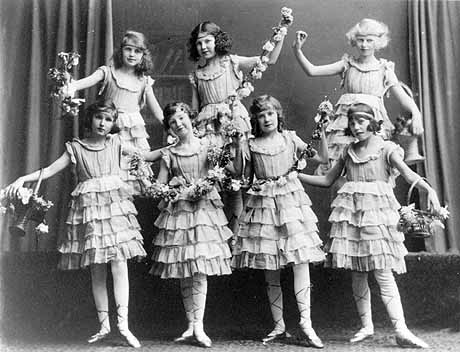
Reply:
x=278, y=227
x=365, y=79
x=101, y=225
x=192, y=240
x=214, y=84
x=364, y=237
x=127, y=85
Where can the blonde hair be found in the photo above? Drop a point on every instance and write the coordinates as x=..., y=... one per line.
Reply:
x=368, y=26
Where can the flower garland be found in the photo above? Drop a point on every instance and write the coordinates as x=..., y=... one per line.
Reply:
x=324, y=113
x=61, y=77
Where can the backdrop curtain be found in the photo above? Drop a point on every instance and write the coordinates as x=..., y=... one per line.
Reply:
x=33, y=134
x=434, y=54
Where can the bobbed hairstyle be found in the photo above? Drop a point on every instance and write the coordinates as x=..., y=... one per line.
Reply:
x=262, y=103
x=368, y=26
x=139, y=40
x=97, y=108
x=363, y=110
x=222, y=39
x=171, y=108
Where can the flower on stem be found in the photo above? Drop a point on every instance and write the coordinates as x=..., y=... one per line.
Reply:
x=42, y=229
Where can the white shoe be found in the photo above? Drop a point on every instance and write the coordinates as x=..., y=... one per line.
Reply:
x=362, y=334
x=406, y=339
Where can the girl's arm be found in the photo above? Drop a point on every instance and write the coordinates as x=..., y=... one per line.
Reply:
x=152, y=155
x=163, y=173
x=310, y=69
x=61, y=163
x=411, y=177
x=152, y=104
x=409, y=104
x=195, y=99
x=86, y=82
x=325, y=180
x=322, y=156
x=246, y=63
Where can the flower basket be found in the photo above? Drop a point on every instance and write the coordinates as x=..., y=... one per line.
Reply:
x=32, y=211
x=417, y=223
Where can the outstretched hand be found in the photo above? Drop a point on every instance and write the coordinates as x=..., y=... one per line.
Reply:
x=433, y=202
x=12, y=189
x=300, y=39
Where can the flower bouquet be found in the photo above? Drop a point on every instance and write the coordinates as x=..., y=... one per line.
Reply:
x=420, y=223
x=323, y=115
x=25, y=206
x=61, y=77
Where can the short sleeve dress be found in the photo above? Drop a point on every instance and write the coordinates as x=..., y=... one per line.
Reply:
x=129, y=98
x=101, y=224
x=362, y=84
x=193, y=233
x=277, y=226
x=364, y=217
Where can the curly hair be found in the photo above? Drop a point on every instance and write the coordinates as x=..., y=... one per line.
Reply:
x=171, y=108
x=262, y=103
x=222, y=39
x=365, y=111
x=140, y=41
x=100, y=107
x=368, y=26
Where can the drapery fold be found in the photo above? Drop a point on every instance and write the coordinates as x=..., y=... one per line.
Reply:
x=32, y=132
x=434, y=52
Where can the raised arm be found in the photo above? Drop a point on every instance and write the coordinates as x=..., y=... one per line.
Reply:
x=152, y=104
x=61, y=163
x=325, y=180
x=310, y=69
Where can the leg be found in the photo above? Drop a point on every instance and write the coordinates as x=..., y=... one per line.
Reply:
x=275, y=297
x=187, y=299
x=392, y=301
x=121, y=293
x=99, y=287
x=362, y=296
x=303, y=296
x=199, y=292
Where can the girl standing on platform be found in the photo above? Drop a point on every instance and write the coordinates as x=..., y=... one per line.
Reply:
x=127, y=85
x=277, y=227
x=364, y=236
x=193, y=233
x=101, y=225
x=365, y=79
x=215, y=81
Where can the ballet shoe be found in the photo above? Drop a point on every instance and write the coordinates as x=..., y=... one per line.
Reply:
x=187, y=335
x=310, y=337
x=202, y=339
x=406, y=339
x=101, y=335
x=362, y=335
x=276, y=335
x=130, y=338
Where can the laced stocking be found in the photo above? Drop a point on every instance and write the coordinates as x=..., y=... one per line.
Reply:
x=199, y=292
x=275, y=297
x=187, y=300
x=362, y=296
x=99, y=288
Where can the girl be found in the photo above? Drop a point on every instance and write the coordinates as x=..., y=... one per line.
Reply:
x=214, y=83
x=277, y=226
x=363, y=236
x=364, y=79
x=126, y=84
x=101, y=226
x=192, y=239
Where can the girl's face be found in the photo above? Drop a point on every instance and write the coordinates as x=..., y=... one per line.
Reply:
x=359, y=127
x=366, y=44
x=102, y=124
x=206, y=46
x=268, y=120
x=131, y=54
x=180, y=124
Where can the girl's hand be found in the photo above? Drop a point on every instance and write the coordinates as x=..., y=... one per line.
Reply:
x=417, y=125
x=69, y=90
x=12, y=189
x=433, y=202
x=300, y=38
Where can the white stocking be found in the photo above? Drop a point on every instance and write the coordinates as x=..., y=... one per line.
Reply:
x=391, y=299
x=362, y=296
x=302, y=293
x=199, y=291
x=187, y=300
x=99, y=288
x=275, y=297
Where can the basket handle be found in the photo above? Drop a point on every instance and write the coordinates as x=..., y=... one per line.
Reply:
x=412, y=186
x=39, y=182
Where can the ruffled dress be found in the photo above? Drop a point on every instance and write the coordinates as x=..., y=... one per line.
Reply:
x=129, y=98
x=214, y=90
x=362, y=84
x=277, y=226
x=364, y=217
x=101, y=224
x=193, y=233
